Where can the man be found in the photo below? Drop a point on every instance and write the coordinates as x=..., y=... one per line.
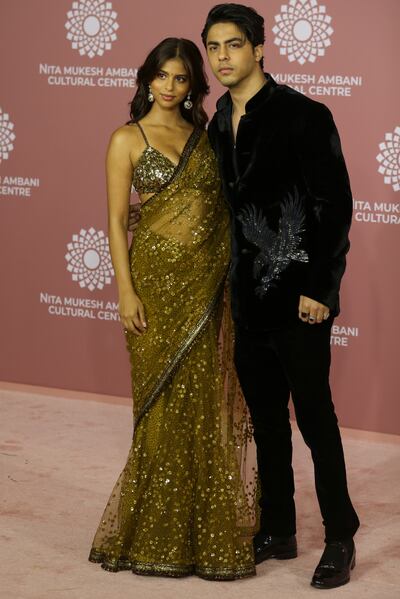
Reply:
x=287, y=186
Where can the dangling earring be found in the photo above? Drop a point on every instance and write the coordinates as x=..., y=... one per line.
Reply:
x=150, y=96
x=188, y=104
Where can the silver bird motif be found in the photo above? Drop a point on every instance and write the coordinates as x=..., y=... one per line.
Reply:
x=276, y=250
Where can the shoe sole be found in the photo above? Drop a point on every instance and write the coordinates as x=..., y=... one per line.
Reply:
x=334, y=586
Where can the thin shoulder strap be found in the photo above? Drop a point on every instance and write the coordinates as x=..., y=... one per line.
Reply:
x=142, y=132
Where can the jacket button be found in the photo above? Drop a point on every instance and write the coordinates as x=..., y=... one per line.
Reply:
x=231, y=184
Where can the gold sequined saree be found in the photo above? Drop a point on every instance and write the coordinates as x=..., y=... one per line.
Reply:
x=184, y=502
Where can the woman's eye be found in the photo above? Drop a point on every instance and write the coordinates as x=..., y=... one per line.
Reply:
x=181, y=79
x=161, y=75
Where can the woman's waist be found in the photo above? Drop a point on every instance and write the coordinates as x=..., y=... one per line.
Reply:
x=180, y=241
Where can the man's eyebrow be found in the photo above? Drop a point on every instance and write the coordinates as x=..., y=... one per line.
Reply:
x=232, y=39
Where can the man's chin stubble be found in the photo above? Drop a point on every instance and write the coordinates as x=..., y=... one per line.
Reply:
x=228, y=83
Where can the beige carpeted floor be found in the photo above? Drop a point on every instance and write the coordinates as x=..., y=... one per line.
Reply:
x=61, y=453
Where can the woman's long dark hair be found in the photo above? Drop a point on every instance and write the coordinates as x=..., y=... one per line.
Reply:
x=188, y=52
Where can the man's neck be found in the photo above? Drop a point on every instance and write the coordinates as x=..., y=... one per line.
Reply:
x=246, y=89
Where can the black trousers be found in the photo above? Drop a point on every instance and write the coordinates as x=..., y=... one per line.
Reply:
x=272, y=366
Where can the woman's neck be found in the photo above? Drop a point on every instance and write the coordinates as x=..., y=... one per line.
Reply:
x=171, y=117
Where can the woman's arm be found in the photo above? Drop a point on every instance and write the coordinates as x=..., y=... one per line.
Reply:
x=119, y=178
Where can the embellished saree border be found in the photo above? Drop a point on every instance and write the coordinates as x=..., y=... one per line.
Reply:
x=208, y=573
x=226, y=573
x=171, y=570
x=191, y=143
x=109, y=564
x=182, y=351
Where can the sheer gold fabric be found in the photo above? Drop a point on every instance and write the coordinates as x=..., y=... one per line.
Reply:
x=185, y=501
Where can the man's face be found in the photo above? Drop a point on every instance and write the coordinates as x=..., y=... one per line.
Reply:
x=232, y=57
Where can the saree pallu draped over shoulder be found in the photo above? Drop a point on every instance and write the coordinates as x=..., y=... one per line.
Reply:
x=185, y=501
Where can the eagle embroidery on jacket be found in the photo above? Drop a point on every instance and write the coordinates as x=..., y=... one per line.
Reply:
x=276, y=250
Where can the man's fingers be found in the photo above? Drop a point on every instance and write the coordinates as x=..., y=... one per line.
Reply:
x=304, y=314
x=133, y=225
x=133, y=217
x=134, y=208
x=320, y=314
x=312, y=311
x=305, y=310
x=134, y=213
x=313, y=315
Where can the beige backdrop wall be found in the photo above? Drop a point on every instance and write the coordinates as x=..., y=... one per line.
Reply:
x=67, y=75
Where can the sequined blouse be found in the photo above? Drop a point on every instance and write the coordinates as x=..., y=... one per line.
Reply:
x=154, y=170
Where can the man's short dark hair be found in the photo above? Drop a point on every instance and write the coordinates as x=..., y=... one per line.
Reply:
x=250, y=23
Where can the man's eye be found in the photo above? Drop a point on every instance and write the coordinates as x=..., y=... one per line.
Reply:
x=212, y=48
x=234, y=45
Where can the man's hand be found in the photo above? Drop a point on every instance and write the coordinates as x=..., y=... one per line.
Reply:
x=133, y=217
x=311, y=311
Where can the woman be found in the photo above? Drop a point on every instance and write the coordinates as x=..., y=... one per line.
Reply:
x=181, y=504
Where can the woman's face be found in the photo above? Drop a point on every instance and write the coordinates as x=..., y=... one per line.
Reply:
x=171, y=85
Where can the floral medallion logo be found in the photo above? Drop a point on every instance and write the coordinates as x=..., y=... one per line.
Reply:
x=389, y=159
x=91, y=27
x=6, y=135
x=302, y=30
x=89, y=259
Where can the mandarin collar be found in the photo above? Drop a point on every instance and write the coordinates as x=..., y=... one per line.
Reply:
x=263, y=94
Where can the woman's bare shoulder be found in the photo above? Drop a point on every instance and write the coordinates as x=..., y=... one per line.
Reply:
x=127, y=135
x=127, y=140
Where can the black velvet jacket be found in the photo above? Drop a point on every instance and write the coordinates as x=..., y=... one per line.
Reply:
x=289, y=195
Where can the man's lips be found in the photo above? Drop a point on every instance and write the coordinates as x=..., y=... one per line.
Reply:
x=225, y=70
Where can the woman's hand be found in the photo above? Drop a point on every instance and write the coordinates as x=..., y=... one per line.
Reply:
x=131, y=312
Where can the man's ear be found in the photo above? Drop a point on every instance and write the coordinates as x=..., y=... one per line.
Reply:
x=259, y=52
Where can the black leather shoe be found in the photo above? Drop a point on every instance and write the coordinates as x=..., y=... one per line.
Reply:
x=268, y=547
x=333, y=570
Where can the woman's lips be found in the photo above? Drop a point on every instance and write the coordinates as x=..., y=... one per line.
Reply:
x=167, y=98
